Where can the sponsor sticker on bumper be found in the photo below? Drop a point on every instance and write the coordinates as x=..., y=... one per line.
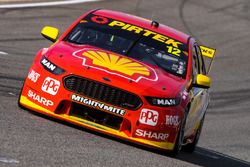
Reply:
x=151, y=135
x=97, y=105
x=40, y=99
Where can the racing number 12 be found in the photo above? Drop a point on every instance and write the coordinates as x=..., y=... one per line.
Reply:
x=174, y=51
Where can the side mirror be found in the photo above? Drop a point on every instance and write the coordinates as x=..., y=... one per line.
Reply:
x=50, y=33
x=202, y=81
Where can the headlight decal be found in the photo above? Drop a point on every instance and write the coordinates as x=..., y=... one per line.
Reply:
x=49, y=66
x=163, y=101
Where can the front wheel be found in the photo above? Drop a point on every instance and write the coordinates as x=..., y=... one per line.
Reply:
x=180, y=137
x=191, y=146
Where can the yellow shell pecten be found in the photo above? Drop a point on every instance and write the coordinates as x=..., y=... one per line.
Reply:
x=117, y=63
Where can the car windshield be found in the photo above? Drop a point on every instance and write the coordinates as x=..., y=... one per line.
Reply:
x=140, y=47
x=103, y=38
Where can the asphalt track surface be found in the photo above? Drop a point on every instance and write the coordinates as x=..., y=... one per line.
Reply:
x=28, y=139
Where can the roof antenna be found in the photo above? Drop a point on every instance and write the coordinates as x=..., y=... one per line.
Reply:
x=154, y=23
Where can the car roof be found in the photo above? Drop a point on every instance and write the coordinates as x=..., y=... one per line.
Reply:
x=145, y=23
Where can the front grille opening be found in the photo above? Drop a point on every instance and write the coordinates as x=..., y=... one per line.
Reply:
x=96, y=116
x=102, y=92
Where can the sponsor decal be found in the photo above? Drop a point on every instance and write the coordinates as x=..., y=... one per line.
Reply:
x=40, y=99
x=166, y=102
x=208, y=52
x=149, y=117
x=50, y=86
x=98, y=105
x=181, y=68
x=47, y=64
x=151, y=135
x=145, y=32
x=116, y=65
x=172, y=45
x=184, y=95
x=99, y=19
x=137, y=30
x=163, y=101
x=33, y=75
x=172, y=120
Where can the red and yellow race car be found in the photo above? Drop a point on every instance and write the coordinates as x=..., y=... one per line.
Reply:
x=124, y=76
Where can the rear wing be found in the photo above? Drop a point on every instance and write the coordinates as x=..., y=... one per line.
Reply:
x=209, y=53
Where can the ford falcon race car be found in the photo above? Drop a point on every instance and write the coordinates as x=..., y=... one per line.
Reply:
x=123, y=76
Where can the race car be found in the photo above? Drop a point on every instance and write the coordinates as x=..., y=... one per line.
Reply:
x=124, y=76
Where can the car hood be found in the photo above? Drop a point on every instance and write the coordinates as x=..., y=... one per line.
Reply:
x=114, y=69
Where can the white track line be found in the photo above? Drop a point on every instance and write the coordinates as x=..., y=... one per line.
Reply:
x=42, y=4
x=8, y=160
x=3, y=53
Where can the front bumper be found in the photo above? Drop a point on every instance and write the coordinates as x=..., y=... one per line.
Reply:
x=57, y=103
x=94, y=126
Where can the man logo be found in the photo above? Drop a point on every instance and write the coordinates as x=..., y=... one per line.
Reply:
x=149, y=117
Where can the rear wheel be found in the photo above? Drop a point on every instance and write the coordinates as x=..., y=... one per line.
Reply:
x=191, y=146
x=180, y=137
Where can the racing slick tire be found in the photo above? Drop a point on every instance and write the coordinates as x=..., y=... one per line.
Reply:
x=190, y=147
x=180, y=137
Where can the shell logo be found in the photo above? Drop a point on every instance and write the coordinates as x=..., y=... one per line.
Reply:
x=115, y=64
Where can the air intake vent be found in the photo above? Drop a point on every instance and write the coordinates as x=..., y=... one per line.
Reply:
x=102, y=92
